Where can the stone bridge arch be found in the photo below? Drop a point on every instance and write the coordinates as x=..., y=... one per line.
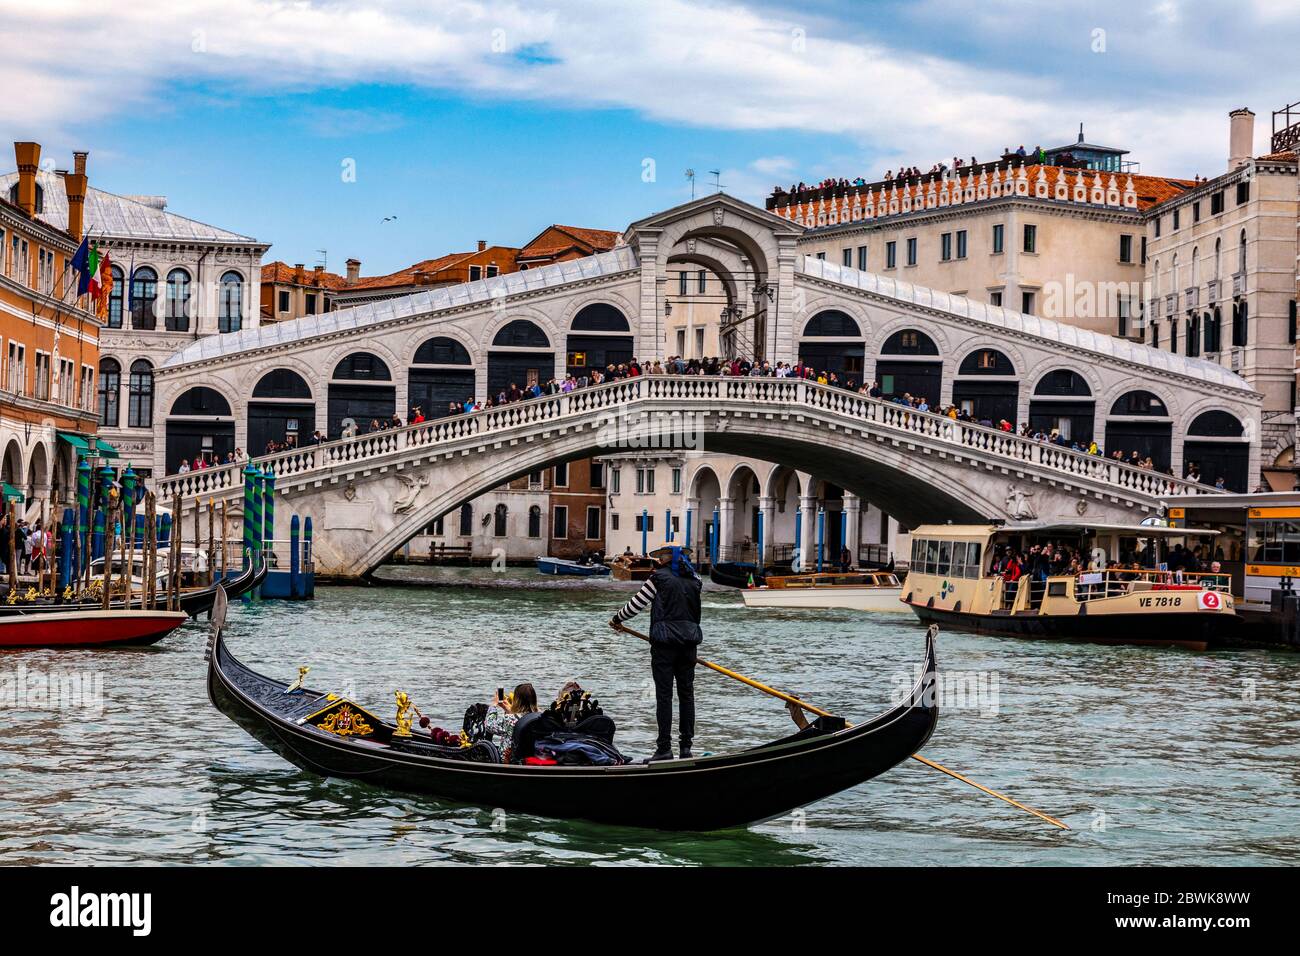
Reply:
x=914, y=488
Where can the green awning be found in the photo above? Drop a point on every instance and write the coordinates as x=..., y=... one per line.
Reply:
x=13, y=494
x=89, y=447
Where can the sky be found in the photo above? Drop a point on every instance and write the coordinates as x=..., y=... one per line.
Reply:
x=399, y=130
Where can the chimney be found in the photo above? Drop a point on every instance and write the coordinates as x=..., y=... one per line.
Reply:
x=1241, y=138
x=316, y=273
x=74, y=184
x=28, y=156
x=354, y=270
x=482, y=244
x=298, y=277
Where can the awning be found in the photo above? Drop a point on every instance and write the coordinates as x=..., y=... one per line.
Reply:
x=13, y=494
x=89, y=447
x=1280, y=480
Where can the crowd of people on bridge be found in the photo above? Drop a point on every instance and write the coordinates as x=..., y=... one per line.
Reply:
x=738, y=368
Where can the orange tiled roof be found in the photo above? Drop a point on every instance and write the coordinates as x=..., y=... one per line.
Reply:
x=412, y=275
x=1287, y=157
x=589, y=240
x=284, y=274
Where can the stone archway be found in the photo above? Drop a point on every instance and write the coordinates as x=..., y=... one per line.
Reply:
x=765, y=241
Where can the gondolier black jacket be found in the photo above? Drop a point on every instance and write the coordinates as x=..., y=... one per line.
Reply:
x=674, y=604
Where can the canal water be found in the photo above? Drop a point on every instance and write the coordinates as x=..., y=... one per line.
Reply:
x=1152, y=756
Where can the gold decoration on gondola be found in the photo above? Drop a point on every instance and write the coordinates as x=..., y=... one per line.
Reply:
x=343, y=718
x=297, y=685
x=31, y=595
x=346, y=724
x=404, y=708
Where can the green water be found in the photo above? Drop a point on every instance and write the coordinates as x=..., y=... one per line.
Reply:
x=1151, y=755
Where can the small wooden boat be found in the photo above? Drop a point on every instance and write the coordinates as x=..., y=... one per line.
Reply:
x=736, y=574
x=548, y=565
x=89, y=628
x=1112, y=599
x=632, y=567
x=856, y=590
x=333, y=737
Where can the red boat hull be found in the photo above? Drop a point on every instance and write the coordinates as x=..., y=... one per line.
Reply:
x=89, y=628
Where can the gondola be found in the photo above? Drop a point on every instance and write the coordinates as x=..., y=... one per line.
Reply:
x=194, y=602
x=701, y=793
x=89, y=628
x=736, y=574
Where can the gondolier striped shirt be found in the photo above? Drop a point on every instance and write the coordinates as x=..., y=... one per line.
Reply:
x=640, y=601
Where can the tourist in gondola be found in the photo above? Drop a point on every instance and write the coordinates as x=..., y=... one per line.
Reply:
x=505, y=713
x=672, y=593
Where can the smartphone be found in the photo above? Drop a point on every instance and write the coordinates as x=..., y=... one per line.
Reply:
x=501, y=693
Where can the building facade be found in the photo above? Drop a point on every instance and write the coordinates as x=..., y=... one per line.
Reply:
x=1221, y=280
x=187, y=280
x=291, y=292
x=49, y=340
x=1060, y=242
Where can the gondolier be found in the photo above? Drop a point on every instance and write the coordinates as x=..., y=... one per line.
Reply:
x=672, y=593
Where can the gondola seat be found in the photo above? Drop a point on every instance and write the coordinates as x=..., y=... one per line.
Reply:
x=532, y=728
x=481, y=751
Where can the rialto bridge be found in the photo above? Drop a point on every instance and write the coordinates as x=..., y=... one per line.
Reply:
x=368, y=494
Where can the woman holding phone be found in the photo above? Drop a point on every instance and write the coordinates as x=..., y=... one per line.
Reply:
x=505, y=713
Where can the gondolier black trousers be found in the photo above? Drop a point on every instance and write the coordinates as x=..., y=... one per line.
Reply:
x=669, y=662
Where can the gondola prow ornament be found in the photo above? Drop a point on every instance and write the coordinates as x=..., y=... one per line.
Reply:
x=403, y=720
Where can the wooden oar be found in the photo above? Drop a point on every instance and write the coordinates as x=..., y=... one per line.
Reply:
x=822, y=713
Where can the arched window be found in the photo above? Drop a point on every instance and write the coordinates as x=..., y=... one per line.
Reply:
x=144, y=299
x=116, y=296
x=365, y=366
x=534, y=522
x=986, y=362
x=832, y=322
x=1196, y=268
x=521, y=334
x=178, y=301
x=1139, y=403
x=202, y=401
x=1217, y=425
x=230, y=308
x=139, y=412
x=1241, y=254
x=599, y=317
x=441, y=351
x=909, y=342
x=1156, y=272
x=1218, y=253
x=281, y=383
x=1173, y=276
x=110, y=384
x=466, y=520
x=499, y=521
x=1062, y=381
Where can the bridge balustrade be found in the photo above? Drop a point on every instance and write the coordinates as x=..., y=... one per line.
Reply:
x=227, y=480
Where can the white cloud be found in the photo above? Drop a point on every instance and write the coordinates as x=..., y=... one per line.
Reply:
x=724, y=65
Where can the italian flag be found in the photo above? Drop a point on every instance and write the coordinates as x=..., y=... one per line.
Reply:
x=99, y=268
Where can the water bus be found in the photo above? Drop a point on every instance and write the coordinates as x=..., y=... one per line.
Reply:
x=1126, y=593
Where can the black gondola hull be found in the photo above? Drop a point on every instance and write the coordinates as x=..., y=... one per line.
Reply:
x=707, y=793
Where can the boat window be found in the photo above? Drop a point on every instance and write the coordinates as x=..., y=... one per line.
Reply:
x=931, y=557
x=1275, y=542
x=1056, y=588
x=945, y=557
x=972, y=560
x=959, y=559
